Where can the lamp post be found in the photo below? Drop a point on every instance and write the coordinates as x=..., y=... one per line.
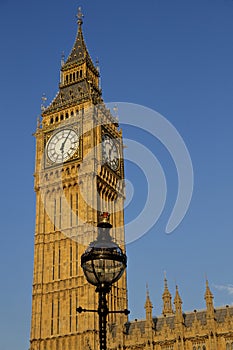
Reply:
x=103, y=263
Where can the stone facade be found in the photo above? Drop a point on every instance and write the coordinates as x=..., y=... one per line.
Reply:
x=209, y=329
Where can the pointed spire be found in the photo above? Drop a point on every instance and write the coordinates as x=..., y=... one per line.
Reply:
x=178, y=307
x=209, y=301
x=177, y=299
x=79, y=52
x=208, y=294
x=167, y=303
x=149, y=320
x=79, y=78
x=148, y=304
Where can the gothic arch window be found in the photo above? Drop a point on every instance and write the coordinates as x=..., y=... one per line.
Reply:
x=70, y=77
x=204, y=347
x=194, y=347
x=77, y=75
x=228, y=346
x=67, y=115
x=51, y=121
x=73, y=76
x=62, y=117
x=81, y=73
x=72, y=113
x=56, y=119
x=66, y=78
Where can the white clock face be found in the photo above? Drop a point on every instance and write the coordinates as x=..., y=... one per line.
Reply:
x=110, y=152
x=62, y=145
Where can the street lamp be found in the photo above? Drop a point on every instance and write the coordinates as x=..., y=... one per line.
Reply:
x=103, y=263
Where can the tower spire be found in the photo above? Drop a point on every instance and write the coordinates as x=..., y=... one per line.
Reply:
x=79, y=78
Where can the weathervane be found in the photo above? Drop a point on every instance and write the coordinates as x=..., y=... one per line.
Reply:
x=80, y=16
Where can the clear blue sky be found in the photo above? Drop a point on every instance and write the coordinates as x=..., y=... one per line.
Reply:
x=174, y=56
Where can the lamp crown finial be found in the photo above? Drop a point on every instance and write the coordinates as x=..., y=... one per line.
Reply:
x=104, y=219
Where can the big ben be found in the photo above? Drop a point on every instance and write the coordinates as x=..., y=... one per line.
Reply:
x=79, y=173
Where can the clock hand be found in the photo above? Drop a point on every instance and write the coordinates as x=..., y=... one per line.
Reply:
x=63, y=143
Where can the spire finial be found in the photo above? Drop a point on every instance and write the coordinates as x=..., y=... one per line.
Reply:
x=80, y=16
x=62, y=58
x=165, y=280
x=44, y=99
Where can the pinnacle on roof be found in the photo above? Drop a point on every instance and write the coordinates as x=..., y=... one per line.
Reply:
x=208, y=293
x=166, y=290
x=167, y=304
x=148, y=303
x=177, y=299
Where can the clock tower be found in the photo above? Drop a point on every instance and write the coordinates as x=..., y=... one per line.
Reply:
x=79, y=172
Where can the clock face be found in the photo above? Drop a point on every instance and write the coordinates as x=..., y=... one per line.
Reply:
x=62, y=145
x=110, y=152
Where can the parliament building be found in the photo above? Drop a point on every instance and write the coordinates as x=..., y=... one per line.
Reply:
x=79, y=173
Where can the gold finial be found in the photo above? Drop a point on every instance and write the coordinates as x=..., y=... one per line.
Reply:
x=104, y=220
x=80, y=16
x=44, y=99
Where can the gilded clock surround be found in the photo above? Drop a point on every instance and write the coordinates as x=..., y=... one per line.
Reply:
x=51, y=134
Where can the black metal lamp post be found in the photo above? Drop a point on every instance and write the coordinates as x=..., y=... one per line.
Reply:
x=103, y=263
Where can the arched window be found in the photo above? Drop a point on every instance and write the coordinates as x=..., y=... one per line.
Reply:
x=228, y=346
x=81, y=73
x=56, y=119
x=194, y=348
x=70, y=77
x=51, y=121
x=73, y=76
x=231, y=346
x=67, y=115
x=204, y=347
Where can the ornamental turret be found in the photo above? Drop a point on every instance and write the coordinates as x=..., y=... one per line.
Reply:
x=167, y=300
